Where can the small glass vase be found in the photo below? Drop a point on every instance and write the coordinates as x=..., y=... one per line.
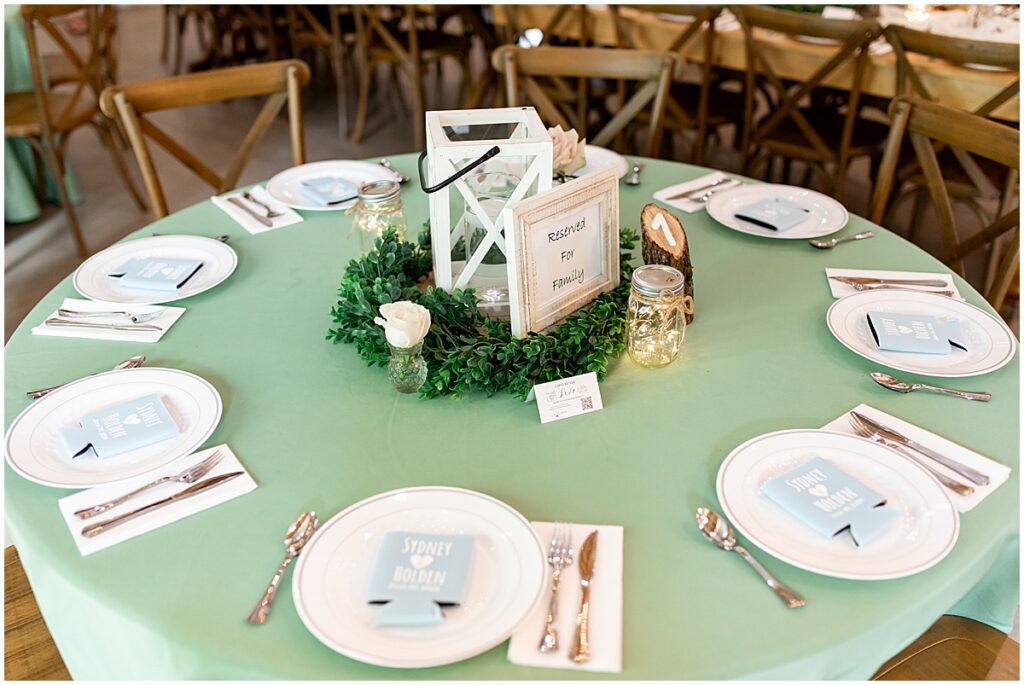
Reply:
x=407, y=368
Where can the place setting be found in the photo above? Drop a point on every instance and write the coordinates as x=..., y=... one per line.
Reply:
x=326, y=186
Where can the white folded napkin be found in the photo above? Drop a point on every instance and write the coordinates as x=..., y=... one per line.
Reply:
x=288, y=215
x=690, y=206
x=840, y=289
x=605, y=606
x=997, y=473
x=156, y=518
x=164, y=321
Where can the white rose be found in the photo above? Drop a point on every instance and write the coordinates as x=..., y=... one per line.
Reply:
x=567, y=150
x=405, y=323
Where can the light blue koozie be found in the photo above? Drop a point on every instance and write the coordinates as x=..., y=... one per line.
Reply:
x=774, y=213
x=417, y=573
x=830, y=501
x=120, y=428
x=914, y=333
x=328, y=190
x=156, y=274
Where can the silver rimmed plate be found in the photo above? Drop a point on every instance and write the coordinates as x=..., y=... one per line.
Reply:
x=92, y=278
x=599, y=159
x=825, y=215
x=330, y=583
x=286, y=187
x=924, y=534
x=33, y=450
x=990, y=343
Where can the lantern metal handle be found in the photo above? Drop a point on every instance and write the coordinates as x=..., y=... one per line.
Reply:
x=457, y=175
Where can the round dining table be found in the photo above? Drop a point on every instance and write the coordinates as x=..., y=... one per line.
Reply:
x=319, y=430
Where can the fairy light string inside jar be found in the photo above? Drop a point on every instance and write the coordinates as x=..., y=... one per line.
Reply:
x=656, y=315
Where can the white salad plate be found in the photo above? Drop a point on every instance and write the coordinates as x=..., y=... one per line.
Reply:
x=33, y=447
x=599, y=159
x=990, y=343
x=924, y=534
x=286, y=187
x=824, y=214
x=331, y=580
x=92, y=278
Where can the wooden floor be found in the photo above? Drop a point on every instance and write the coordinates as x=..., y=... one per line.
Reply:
x=953, y=649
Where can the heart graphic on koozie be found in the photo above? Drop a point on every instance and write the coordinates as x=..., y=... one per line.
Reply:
x=167, y=270
x=906, y=330
x=818, y=490
x=419, y=561
x=131, y=419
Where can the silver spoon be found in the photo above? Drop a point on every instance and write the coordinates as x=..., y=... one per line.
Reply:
x=829, y=244
x=295, y=539
x=130, y=363
x=134, y=318
x=887, y=381
x=634, y=178
x=716, y=530
x=402, y=178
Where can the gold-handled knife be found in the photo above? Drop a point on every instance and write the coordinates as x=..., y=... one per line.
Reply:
x=580, y=651
x=97, y=528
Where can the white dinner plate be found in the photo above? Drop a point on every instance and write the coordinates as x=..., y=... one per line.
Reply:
x=599, y=159
x=91, y=278
x=286, y=186
x=33, y=448
x=825, y=215
x=331, y=579
x=990, y=343
x=924, y=534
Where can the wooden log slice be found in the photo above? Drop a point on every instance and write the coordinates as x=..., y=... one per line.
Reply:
x=659, y=248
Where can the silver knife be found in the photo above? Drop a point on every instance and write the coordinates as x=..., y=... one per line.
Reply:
x=251, y=212
x=580, y=650
x=864, y=280
x=97, y=528
x=966, y=471
x=698, y=190
x=107, y=326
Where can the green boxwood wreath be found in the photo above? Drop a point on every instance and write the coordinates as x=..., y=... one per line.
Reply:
x=465, y=350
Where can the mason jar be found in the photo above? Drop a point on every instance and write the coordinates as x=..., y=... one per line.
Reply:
x=656, y=315
x=379, y=207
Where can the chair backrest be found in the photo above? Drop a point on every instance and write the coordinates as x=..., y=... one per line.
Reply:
x=929, y=124
x=654, y=70
x=131, y=102
x=87, y=62
x=853, y=38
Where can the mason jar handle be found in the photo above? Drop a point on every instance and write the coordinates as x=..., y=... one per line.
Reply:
x=457, y=175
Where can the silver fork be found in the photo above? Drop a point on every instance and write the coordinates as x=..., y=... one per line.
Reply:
x=867, y=287
x=559, y=558
x=252, y=198
x=134, y=318
x=188, y=476
x=954, y=485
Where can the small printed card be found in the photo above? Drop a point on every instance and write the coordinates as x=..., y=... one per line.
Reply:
x=914, y=333
x=156, y=274
x=328, y=191
x=567, y=397
x=415, y=574
x=775, y=213
x=830, y=501
x=120, y=428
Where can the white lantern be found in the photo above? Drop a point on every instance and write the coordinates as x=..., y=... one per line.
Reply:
x=480, y=161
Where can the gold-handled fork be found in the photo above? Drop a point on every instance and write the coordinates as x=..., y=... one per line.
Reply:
x=559, y=558
x=190, y=475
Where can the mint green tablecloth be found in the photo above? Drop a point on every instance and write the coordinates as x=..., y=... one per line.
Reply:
x=20, y=203
x=319, y=430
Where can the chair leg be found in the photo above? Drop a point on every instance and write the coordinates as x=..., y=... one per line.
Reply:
x=103, y=129
x=418, y=109
x=339, y=89
x=165, y=33
x=40, y=169
x=56, y=169
x=364, y=96
x=920, y=198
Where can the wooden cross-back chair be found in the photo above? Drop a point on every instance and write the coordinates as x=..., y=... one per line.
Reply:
x=968, y=180
x=697, y=107
x=336, y=38
x=46, y=118
x=654, y=70
x=930, y=125
x=818, y=136
x=382, y=41
x=131, y=102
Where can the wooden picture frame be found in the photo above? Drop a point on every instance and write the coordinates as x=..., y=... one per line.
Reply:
x=563, y=250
